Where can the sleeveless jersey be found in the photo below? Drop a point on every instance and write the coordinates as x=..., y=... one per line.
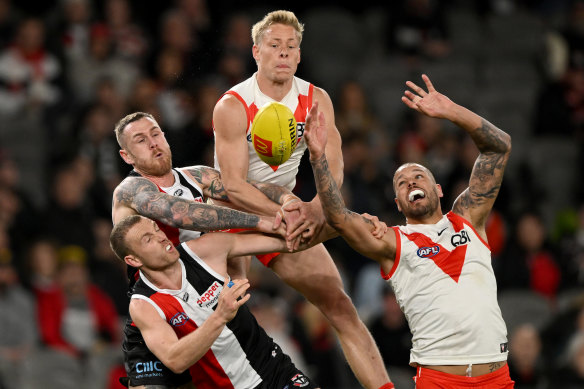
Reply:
x=445, y=285
x=242, y=356
x=183, y=187
x=299, y=100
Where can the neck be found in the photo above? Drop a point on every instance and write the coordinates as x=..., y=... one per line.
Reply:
x=166, y=278
x=274, y=89
x=433, y=218
x=165, y=180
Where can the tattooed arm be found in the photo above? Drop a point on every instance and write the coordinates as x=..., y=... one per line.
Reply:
x=354, y=228
x=209, y=180
x=139, y=195
x=494, y=145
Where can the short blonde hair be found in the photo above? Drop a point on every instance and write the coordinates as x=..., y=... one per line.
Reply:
x=276, y=17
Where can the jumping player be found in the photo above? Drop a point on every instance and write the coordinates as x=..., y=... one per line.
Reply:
x=276, y=50
x=439, y=266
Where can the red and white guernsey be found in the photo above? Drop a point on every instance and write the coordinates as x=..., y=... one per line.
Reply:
x=445, y=285
x=299, y=100
x=242, y=357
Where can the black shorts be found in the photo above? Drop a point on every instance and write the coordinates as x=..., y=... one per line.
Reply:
x=284, y=374
x=143, y=367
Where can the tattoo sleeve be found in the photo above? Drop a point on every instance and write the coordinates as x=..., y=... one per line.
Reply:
x=329, y=193
x=487, y=174
x=144, y=197
x=210, y=180
x=272, y=191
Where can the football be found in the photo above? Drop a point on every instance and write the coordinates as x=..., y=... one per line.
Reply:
x=273, y=133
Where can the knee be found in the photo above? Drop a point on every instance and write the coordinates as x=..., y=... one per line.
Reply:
x=338, y=308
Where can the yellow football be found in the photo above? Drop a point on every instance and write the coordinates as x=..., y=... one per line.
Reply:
x=273, y=133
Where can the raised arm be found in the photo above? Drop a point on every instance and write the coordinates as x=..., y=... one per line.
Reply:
x=230, y=123
x=476, y=202
x=180, y=354
x=139, y=195
x=354, y=228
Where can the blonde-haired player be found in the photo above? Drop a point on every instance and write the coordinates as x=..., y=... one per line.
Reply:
x=276, y=50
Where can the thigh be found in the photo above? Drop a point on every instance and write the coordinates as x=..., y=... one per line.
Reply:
x=312, y=272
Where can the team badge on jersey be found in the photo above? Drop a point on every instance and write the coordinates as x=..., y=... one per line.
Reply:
x=299, y=381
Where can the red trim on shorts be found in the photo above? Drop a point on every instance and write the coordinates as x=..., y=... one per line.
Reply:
x=455, y=219
x=427, y=378
x=397, y=255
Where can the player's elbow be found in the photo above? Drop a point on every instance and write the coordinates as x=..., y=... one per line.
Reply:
x=176, y=365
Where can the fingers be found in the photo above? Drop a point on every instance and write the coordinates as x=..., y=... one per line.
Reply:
x=421, y=92
x=428, y=83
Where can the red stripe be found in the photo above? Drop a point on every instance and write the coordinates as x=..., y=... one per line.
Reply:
x=456, y=218
x=207, y=373
x=247, y=111
x=450, y=262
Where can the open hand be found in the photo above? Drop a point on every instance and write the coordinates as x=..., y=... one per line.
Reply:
x=431, y=103
x=231, y=298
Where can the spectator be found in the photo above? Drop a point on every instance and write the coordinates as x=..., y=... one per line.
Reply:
x=527, y=364
x=528, y=262
x=18, y=324
x=29, y=73
x=77, y=317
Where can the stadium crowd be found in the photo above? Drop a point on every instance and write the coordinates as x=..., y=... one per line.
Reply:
x=70, y=69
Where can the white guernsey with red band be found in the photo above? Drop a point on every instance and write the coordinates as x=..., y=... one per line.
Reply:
x=445, y=284
x=299, y=100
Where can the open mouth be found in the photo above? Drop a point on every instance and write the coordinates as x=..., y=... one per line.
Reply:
x=416, y=194
x=168, y=247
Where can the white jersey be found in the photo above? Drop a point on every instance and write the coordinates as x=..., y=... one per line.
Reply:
x=445, y=285
x=299, y=100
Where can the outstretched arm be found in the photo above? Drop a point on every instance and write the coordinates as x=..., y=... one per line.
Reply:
x=494, y=145
x=354, y=228
x=142, y=196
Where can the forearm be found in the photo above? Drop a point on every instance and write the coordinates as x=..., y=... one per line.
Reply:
x=278, y=194
x=189, y=349
x=246, y=196
x=190, y=215
x=487, y=137
x=328, y=192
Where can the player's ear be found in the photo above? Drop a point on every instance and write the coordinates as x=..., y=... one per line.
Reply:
x=126, y=157
x=132, y=260
x=397, y=204
x=299, y=52
x=255, y=51
x=439, y=188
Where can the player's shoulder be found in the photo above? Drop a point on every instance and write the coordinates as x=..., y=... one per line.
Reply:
x=134, y=184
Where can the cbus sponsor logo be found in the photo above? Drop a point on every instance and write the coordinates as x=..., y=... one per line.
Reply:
x=428, y=252
x=147, y=367
x=180, y=319
x=299, y=130
x=210, y=296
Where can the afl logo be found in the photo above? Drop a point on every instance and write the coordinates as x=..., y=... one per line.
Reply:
x=178, y=192
x=180, y=319
x=428, y=252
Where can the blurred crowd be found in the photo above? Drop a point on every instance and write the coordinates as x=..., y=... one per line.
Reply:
x=69, y=69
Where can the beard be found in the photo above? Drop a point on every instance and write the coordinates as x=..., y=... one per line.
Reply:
x=422, y=210
x=155, y=167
